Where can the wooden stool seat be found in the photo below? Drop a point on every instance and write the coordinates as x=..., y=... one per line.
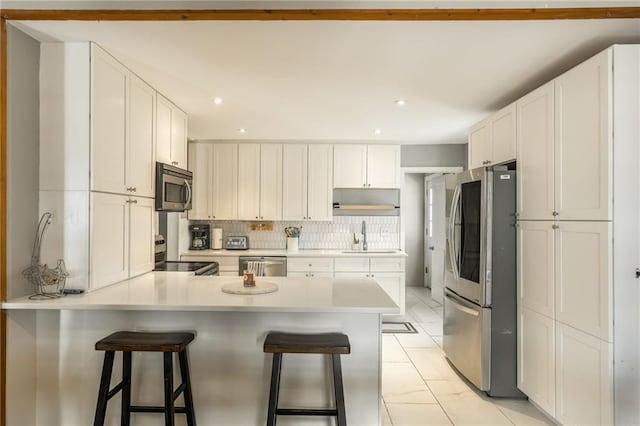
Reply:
x=334, y=344
x=293, y=343
x=138, y=341
x=135, y=341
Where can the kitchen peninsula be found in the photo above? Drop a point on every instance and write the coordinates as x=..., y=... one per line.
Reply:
x=59, y=372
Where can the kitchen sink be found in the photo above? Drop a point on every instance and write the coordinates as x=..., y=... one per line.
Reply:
x=369, y=251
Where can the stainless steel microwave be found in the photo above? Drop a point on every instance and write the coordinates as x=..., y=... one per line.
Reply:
x=173, y=188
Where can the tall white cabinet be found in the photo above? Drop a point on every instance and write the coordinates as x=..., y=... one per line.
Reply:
x=578, y=295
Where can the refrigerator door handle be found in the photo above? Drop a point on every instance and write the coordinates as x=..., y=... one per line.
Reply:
x=459, y=305
x=453, y=251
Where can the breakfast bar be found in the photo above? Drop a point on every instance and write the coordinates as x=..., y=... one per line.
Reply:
x=56, y=380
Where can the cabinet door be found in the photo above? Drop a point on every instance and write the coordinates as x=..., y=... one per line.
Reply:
x=320, y=182
x=296, y=274
x=583, y=277
x=584, y=379
x=163, y=129
x=479, y=145
x=383, y=166
x=141, y=159
x=178, y=138
x=225, y=181
x=536, y=358
x=535, y=155
x=393, y=284
x=249, y=181
x=535, y=266
x=141, y=256
x=110, y=82
x=583, y=140
x=200, y=159
x=294, y=182
x=349, y=166
x=109, y=239
x=503, y=135
x=271, y=181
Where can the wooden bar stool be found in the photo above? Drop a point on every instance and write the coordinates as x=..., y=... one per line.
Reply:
x=133, y=341
x=333, y=344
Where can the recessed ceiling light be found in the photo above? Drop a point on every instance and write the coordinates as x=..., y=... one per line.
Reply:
x=242, y=130
x=217, y=100
x=401, y=102
x=378, y=131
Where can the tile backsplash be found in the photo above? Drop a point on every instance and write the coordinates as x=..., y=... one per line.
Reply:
x=383, y=232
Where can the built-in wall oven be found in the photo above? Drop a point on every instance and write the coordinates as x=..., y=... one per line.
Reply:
x=480, y=322
x=174, y=188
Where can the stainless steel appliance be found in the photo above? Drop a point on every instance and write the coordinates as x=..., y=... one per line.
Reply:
x=173, y=188
x=162, y=264
x=200, y=236
x=480, y=320
x=274, y=266
x=239, y=242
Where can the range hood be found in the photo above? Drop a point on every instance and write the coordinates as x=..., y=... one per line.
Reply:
x=366, y=202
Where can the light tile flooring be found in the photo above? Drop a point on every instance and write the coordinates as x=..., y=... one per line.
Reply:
x=419, y=387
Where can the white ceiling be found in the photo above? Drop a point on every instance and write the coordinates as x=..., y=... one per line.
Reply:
x=337, y=80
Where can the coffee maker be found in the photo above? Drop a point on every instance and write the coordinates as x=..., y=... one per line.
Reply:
x=200, y=237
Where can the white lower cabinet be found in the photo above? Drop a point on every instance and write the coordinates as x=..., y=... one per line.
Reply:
x=584, y=379
x=536, y=358
x=121, y=239
x=310, y=267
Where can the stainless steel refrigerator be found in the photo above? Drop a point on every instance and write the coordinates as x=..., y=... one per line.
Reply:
x=480, y=317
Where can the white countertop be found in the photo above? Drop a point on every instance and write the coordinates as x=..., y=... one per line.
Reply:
x=182, y=291
x=299, y=253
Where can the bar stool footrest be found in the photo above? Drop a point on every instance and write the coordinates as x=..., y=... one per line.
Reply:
x=117, y=388
x=154, y=409
x=306, y=412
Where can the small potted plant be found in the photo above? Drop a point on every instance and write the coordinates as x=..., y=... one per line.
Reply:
x=355, y=243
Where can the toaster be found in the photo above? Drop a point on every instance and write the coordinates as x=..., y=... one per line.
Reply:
x=240, y=242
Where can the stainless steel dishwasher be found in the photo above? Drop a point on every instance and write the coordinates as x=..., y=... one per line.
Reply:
x=274, y=266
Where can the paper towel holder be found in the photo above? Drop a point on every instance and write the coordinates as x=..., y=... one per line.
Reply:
x=216, y=239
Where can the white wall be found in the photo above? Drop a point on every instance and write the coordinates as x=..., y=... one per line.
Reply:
x=23, y=60
x=413, y=224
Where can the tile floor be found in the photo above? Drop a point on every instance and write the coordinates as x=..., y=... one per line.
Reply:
x=419, y=387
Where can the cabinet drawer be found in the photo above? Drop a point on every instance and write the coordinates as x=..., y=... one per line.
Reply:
x=351, y=275
x=302, y=264
x=352, y=264
x=310, y=274
x=387, y=264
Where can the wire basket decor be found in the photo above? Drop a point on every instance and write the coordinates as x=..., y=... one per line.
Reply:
x=47, y=282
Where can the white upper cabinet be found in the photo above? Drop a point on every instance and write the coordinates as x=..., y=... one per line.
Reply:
x=350, y=166
x=110, y=87
x=535, y=155
x=493, y=140
x=479, y=145
x=294, y=182
x=270, y=181
x=224, y=188
x=535, y=266
x=200, y=161
x=140, y=162
x=383, y=166
x=583, y=140
x=320, y=182
x=249, y=181
x=171, y=130
x=366, y=166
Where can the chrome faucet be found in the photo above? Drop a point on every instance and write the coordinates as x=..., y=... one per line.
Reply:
x=365, y=247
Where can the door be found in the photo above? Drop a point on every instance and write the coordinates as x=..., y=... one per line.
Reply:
x=141, y=254
x=225, y=181
x=383, y=166
x=435, y=236
x=535, y=266
x=109, y=239
x=535, y=155
x=320, y=182
x=503, y=135
x=428, y=231
x=479, y=145
x=178, y=138
x=249, y=181
x=110, y=87
x=583, y=140
x=294, y=182
x=271, y=182
x=349, y=166
x=141, y=160
x=163, y=129
x=200, y=160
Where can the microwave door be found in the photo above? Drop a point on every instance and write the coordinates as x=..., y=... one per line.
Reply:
x=174, y=193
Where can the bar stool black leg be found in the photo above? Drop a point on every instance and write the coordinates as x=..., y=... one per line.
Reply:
x=125, y=416
x=339, y=391
x=105, y=382
x=186, y=379
x=276, y=368
x=168, y=389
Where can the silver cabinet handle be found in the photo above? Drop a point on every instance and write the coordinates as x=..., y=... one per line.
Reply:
x=372, y=275
x=432, y=248
x=134, y=201
x=555, y=213
x=554, y=227
x=134, y=189
x=256, y=217
x=312, y=275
